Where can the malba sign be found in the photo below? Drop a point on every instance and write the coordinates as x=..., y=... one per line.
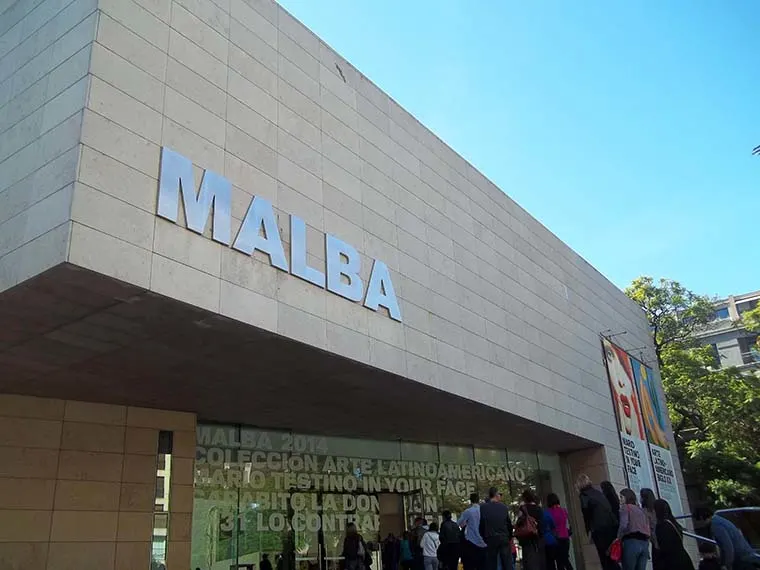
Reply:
x=259, y=231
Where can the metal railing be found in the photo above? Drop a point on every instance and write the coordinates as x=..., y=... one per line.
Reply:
x=693, y=535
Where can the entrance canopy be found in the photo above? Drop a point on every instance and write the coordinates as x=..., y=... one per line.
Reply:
x=72, y=333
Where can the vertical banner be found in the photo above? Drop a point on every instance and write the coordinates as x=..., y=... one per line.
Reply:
x=654, y=413
x=628, y=414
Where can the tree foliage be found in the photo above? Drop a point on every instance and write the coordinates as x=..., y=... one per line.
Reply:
x=751, y=321
x=714, y=411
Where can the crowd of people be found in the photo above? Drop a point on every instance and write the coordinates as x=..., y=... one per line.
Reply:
x=629, y=530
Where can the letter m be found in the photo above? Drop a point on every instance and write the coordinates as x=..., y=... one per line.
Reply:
x=177, y=175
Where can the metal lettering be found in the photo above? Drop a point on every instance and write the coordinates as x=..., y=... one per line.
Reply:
x=336, y=250
x=177, y=173
x=298, y=261
x=260, y=216
x=380, y=292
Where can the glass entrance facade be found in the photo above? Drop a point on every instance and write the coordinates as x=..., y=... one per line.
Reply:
x=276, y=497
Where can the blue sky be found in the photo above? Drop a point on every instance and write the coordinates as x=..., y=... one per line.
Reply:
x=625, y=127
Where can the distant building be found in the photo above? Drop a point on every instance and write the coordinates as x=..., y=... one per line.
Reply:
x=733, y=344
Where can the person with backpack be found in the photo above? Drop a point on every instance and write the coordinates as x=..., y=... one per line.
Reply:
x=496, y=530
x=530, y=530
x=354, y=549
x=670, y=554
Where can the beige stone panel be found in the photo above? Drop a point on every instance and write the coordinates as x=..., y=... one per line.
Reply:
x=23, y=555
x=135, y=527
x=33, y=494
x=253, y=70
x=382, y=327
x=308, y=209
x=296, y=77
x=339, y=131
x=254, y=21
x=387, y=357
x=194, y=57
x=28, y=432
x=369, y=111
x=88, y=412
x=251, y=150
x=187, y=247
x=380, y=227
x=252, y=95
x=85, y=555
x=300, y=325
x=159, y=8
x=131, y=47
x=339, y=178
x=183, y=470
x=344, y=229
x=181, y=499
x=244, y=271
x=178, y=553
x=299, y=56
x=109, y=215
x=127, y=77
x=85, y=437
x=248, y=306
x=192, y=116
x=250, y=179
x=298, y=102
x=337, y=87
x=139, y=468
x=90, y=466
x=300, y=294
x=347, y=342
x=299, y=179
x=137, y=497
x=298, y=127
x=184, y=444
x=140, y=19
x=160, y=419
x=420, y=344
x=13, y=405
x=125, y=110
x=211, y=39
x=298, y=32
x=28, y=462
x=210, y=13
x=184, y=283
x=342, y=156
x=251, y=122
x=119, y=143
x=24, y=526
x=143, y=441
x=253, y=45
x=180, y=529
x=196, y=88
x=202, y=152
x=299, y=153
x=132, y=555
x=341, y=203
x=87, y=496
x=108, y=255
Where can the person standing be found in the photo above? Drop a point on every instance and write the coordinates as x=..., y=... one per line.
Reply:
x=670, y=554
x=532, y=543
x=419, y=530
x=496, y=530
x=735, y=552
x=473, y=547
x=266, y=564
x=648, y=498
x=601, y=523
x=430, y=543
x=633, y=532
x=608, y=489
x=451, y=539
x=354, y=549
x=405, y=552
x=561, y=532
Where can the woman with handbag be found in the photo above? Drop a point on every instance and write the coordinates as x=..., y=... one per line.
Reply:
x=633, y=532
x=530, y=531
x=670, y=554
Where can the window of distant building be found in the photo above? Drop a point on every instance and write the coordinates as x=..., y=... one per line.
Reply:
x=716, y=354
x=749, y=348
x=719, y=314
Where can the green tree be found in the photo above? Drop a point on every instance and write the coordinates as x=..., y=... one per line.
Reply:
x=713, y=410
x=751, y=321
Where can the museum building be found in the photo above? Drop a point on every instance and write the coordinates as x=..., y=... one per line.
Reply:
x=246, y=300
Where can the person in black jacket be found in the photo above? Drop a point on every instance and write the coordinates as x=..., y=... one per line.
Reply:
x=496, y=530
x=451, y=539
x=533, y=547
x=670, y=554
x=612, y=496
x=601, y=522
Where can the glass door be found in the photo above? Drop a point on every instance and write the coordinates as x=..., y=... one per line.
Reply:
x=333, y=520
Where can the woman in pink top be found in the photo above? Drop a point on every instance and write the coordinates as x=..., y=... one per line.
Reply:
x=560, y=558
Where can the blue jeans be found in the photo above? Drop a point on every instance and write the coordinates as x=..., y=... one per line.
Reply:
x=635, y=554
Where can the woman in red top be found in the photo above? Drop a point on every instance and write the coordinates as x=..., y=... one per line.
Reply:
x=561, y=554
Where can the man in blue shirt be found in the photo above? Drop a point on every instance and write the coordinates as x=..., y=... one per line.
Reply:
x=474, y=548
x=735, y=552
